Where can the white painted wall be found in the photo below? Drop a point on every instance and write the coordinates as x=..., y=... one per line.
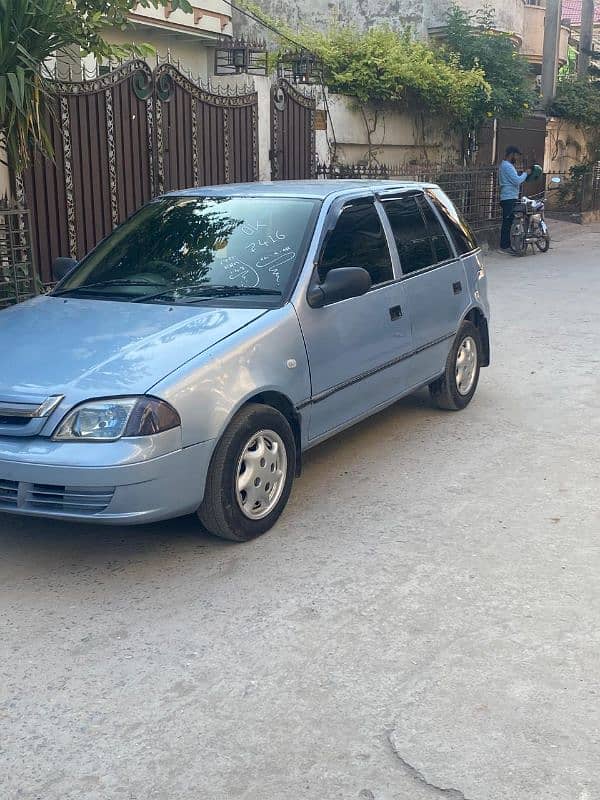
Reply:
x=193, y=53
x=214, y=17
x=399, y=137
x=566, y=146
x=509, y=14
x=263, y=87
x=419, y=15
x=298, y=14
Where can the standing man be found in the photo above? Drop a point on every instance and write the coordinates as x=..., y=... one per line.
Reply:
x=510, y=184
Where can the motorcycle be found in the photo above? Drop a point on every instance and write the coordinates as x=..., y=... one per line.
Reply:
x=529, y=225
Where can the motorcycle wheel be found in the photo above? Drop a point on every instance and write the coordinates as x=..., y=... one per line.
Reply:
x=517, y=239
x=543, y=243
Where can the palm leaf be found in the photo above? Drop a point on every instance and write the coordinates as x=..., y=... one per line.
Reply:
x=31, y=32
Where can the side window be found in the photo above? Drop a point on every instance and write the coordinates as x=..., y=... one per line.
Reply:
x=358, y=240
x=441, y=245
x=462, y=235
x=411, y=235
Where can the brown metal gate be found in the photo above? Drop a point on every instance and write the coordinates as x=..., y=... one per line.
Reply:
x=293, y=149
x=529, y=135
x=203, y=138
x=123, y=138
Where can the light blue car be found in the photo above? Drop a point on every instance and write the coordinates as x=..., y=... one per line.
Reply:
x=186, y=363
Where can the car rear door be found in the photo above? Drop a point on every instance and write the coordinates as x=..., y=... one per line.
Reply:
x=433, y=278
x=357, y=348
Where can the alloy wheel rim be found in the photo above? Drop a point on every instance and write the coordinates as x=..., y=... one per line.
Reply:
x=466, y=365
x=261, y=474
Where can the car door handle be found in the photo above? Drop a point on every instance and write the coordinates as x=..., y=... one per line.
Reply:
x=395, y=313
x=457, y=287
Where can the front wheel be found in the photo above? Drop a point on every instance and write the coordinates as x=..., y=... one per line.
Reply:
x=250, y=476
x=518, y=238
x=543, y=243
x=454, y=390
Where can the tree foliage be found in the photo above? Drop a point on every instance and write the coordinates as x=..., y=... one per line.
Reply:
x=473, y=41
x=578, y=99
x=31, y=31
x=382, y=65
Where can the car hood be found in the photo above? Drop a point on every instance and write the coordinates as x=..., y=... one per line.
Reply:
x=94, y=348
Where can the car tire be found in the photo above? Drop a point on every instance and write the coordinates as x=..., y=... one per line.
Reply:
x=241, y=514
x=454, y=389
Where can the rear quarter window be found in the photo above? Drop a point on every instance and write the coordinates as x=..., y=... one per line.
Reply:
x=410, y=233
x=441, y=245
x=462, y=235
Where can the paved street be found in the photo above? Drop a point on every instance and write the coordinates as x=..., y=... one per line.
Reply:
x=423, y=622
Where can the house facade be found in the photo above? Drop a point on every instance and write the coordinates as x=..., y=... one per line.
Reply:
x=522, y=19
x=186, y=38
x=190, y=39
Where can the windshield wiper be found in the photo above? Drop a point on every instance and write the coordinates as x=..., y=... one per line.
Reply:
x=207, y=293
x=113, y=282
x=234, y=291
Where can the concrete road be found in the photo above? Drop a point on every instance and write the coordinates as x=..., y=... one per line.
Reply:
x=423, y=623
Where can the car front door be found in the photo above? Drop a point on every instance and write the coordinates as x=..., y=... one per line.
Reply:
x=356, y=347
x=433, y=277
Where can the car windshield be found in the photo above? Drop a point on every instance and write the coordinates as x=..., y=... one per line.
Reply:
x=193, y=249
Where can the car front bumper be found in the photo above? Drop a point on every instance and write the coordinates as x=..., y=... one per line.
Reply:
x=66, y=484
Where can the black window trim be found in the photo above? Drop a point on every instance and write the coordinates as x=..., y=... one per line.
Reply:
x=338, y=207
x=416, y=193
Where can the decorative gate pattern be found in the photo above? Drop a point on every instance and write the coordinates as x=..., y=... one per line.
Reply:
x=293, y=148
x=123, y=138
x=204, y=138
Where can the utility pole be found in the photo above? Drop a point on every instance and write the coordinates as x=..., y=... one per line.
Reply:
x=550, y=56
x=585, y=37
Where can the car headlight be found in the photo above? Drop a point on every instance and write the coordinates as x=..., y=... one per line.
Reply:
x=112, y=419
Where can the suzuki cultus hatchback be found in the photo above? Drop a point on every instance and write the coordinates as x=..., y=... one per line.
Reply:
x=187, y=362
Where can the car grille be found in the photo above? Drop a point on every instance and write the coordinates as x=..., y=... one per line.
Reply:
x=26, y=416
x=48, y=498
x=14, y=421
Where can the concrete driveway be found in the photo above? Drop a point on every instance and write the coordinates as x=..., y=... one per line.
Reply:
x=423, y=623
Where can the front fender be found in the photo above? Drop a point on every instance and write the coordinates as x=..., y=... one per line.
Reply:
x=268, y=355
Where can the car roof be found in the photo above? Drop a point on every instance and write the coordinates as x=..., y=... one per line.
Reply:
x=316, y=189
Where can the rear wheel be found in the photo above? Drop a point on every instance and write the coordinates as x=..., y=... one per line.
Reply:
x=454, y=390
x=518, y=239
x=250, y=476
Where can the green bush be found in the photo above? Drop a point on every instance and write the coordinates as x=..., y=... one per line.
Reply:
x=384, y=66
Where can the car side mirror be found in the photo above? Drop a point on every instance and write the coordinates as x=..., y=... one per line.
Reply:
x=62, y=266
x=339, y=284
